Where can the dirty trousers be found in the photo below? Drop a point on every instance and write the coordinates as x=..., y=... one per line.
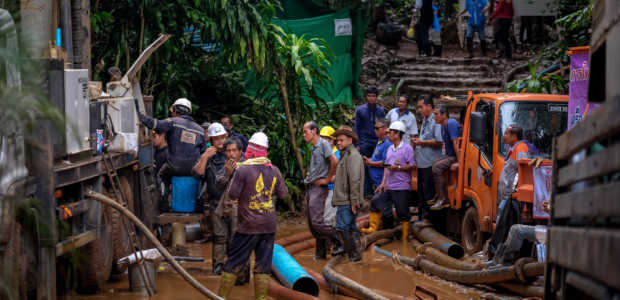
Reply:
x=383, y=202
x=440, y=167
x=241, y=248
x=221, y=237
x=316, y=196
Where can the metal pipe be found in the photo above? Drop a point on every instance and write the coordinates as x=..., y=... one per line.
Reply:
x=291, y=274
x=443, y=259
x=192, y=281
x=500, y=274
x=439, y=242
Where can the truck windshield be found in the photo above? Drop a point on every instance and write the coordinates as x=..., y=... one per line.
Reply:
x=540, y=121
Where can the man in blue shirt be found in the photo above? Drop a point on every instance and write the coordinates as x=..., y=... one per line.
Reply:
x=365, y=117
x=475, y=23
x=450, y=133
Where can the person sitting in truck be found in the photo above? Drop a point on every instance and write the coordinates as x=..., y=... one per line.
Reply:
x=508, y=211
x=450, y=134
x=185, y=139
x=161, y=156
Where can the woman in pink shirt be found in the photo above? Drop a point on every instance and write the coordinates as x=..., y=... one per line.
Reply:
x=504, y=13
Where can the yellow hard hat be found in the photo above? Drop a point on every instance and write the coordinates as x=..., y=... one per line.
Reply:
x=327, y=131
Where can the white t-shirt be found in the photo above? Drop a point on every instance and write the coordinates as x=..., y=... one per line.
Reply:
x=408, y=118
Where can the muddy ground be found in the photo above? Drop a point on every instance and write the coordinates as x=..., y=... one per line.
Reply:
x=376, y=272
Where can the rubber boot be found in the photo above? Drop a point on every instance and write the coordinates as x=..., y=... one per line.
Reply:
x=338, y=247
x=483, y=47
x=470, y=47
x=387, y=222
x=345, y=243
x=320, y=251
x=374, y=223
x=261, y=286
x=405, y=230
x=441, y=202
x=227, y=281
x=355, y=253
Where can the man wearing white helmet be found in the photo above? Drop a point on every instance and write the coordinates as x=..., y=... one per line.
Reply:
x=255, y=184
x=211, y=163
x=397, y=176
x=185, y=140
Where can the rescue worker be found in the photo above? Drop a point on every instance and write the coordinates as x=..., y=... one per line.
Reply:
x=329, y=212
x=349, y=191
x=397, y=176
x=323, y=164
x=255, y=185
x=185, y=141
x=450, y=133
x=211, y=163
x=226, y=209
x=508, y=211
x=380, y=215
x=161, y=156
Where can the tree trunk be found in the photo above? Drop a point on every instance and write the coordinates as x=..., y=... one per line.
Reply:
x=289, y=120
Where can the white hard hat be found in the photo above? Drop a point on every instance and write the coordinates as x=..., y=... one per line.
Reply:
x=398, y=125
x=260, y=139
x=182, y=102
x=216, y=129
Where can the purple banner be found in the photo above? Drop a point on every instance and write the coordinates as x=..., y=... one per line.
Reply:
x=578, y=105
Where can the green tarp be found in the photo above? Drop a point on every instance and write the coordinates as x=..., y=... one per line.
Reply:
x=343, y=31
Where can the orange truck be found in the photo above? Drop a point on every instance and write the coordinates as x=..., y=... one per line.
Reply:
x=473, y=184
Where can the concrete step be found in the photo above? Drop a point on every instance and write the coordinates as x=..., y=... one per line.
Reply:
x=450, y=74
x=451, y=60
x=478, y=82
x=415, y=90
x=435, y=68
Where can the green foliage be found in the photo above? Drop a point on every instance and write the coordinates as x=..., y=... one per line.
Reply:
x=393, y=92
x=538, y=83
x=574, y=30
x=122, y=29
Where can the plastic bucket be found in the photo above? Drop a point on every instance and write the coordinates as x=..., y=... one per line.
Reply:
x=184, y=193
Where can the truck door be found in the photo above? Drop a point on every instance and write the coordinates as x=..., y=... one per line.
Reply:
x=479, y=165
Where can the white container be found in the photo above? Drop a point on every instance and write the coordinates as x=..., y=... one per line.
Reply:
x=77, y=110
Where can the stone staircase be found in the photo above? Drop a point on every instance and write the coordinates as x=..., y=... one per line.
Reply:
x=447, y=76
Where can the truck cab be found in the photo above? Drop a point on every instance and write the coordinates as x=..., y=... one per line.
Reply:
x=473, y=184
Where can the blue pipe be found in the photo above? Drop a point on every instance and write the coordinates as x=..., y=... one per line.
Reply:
x=291, y=274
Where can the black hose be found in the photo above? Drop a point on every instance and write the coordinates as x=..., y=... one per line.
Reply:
x=500, y=274
x=426, y=233
x=443, y=259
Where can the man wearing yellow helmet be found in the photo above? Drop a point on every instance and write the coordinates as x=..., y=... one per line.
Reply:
x=329, y=212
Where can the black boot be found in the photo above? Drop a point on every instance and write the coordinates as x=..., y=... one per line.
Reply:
x=387, y=222
x=338, y=247
x=470, y=47
x=483, y=47
x=320, y=251
x=355, y=242
x=437, y=50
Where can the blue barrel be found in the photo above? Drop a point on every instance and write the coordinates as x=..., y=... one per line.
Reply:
x=184, y=193
x=291, y=274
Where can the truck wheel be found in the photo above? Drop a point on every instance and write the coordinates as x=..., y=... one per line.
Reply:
x=119, y=236
x=95, y=261
x=472, y=237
